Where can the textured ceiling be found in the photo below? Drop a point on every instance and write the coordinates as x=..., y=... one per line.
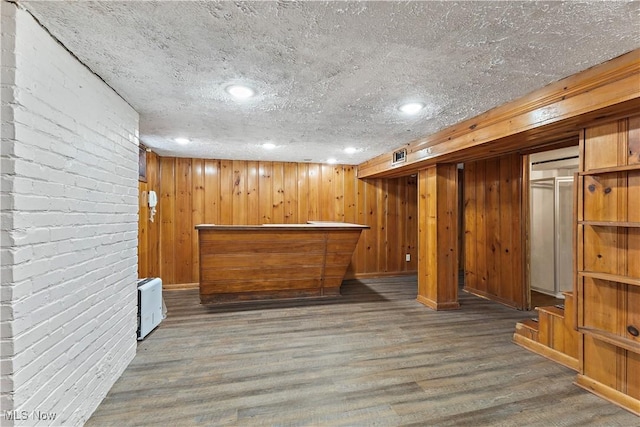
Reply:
x=328, y=74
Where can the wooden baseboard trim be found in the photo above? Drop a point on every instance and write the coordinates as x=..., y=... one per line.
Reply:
x=545, y=351
x=180, y=286
x=607, y=393
x=491, y=297
x=185, y=286
x=438, y=306
x=380, y=274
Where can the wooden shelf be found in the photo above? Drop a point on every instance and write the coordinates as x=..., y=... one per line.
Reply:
x=610, y=277
x=611, y=223
x=611, y=169
x=617, y=340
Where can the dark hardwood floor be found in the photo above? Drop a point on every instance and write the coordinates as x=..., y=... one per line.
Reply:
x=372, y=357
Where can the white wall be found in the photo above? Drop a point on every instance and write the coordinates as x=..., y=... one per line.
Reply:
x=69, y=230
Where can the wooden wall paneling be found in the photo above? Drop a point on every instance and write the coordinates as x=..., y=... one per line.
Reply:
x=634, y=141
x=239, y=202
x=148, y=232
x=601, y=365
x=290, y=193
x=608, y=246
x=508, y=216
x=470, y=236
x=277, y=217
x=350, y=201
x=633, y=367
x=520, y=231
x=226, y=192
x=143, y=232
x=314, y=193
x=481, y=228
x=426, y=238
x=393, y=250
x=411, y=222
x=400, y=232
x=622, y=142
x=600, y=249
x=167, y=216
x=338, y=193
x=184, y=227
x=381, y=224
x=360, y=253
x=212, y=191
x=633, y=236
x=153, y=228
x=493, y=247
x=349, y=197
x=371, y=237
x=494, y=239
x=328, y=207
x=598, y=143
x=265, y=183
x=194, y=191
x=303, y=193
x=253, y=196
x=632, y=315
x=461, y=221
x=438, y=237
x=447, y=227
x=197, y=211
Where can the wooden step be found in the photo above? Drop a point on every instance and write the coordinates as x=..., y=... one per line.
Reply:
x=527, y=328
x=552, y=310
x=552, y=334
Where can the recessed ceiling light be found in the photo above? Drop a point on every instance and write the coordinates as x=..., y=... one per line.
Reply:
x=240, y=92
x=332, y=161
x=350, y=150
x=411, y=107
x=269, y=145
x=182, y=140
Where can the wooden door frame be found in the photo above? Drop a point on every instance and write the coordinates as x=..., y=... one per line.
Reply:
x=525, y=211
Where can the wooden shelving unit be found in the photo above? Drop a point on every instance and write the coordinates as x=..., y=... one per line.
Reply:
x=627, y=224
x=608, y=262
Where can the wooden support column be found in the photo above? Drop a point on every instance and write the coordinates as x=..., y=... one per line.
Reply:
x=438, y=237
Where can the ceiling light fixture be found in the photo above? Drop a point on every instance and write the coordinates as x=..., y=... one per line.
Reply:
x=350, y=150
x=269, y=145
x=411, y=107
x=240, y=92
x=182, y=141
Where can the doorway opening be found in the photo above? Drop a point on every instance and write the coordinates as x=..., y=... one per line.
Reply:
x=551, y=199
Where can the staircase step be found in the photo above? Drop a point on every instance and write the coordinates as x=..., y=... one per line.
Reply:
x=552, y=310
x=531, y=324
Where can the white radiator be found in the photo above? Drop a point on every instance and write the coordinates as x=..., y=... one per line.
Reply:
x=150, y=306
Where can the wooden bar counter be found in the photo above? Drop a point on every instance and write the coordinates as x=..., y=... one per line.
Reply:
x=274, y=261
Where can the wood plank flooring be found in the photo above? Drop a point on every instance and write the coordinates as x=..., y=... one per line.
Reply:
x=375, y=356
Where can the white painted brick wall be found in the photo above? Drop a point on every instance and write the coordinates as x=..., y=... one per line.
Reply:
x=69, y=229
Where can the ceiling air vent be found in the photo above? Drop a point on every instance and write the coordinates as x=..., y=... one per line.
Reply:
x=399, y=156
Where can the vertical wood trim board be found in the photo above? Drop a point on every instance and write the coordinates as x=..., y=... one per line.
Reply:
x=226, y=192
